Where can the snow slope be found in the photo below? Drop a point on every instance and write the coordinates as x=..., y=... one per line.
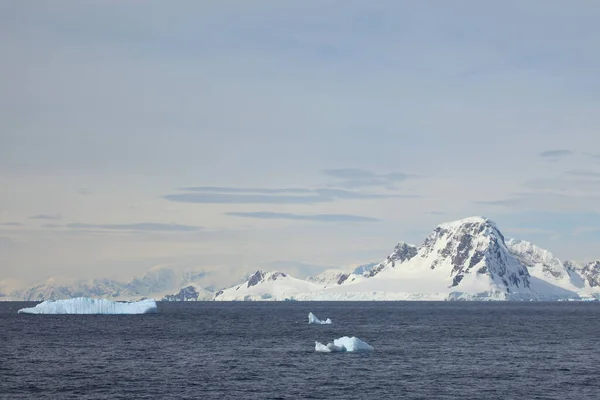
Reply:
x=82, y=305
x=267, y=286
x=547, y=269
x=467, y=259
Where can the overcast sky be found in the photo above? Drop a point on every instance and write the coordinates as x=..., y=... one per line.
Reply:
x=259, y=133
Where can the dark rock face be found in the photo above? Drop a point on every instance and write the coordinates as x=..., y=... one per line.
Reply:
x=343, y=278
x=591, y=273
x=185, y=294
x=470, y=244
x=255, y=279
x=402, y=252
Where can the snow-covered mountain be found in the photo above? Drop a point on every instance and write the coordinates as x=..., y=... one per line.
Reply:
x=365, y=268
x=157, y=282
x=589, y=272
x=190, y=293
x=468, y=259
x=402, y=252
x=263, y=285
x=544, y=266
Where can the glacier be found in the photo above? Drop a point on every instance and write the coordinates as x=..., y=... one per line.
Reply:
x=312, y=319
x=84, y=305
x=342, y=345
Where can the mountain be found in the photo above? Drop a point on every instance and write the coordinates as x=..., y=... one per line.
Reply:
x=468, y=259
x=589, y=273
x=544, y=266
x=263, y=285
x=402, y=252
x=190, y=293
x=365, y=268
x=157, y=282
x=330, y=277
x=465, y=259
x=53, y=289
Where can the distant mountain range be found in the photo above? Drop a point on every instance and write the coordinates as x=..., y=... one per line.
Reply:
x=468, y=259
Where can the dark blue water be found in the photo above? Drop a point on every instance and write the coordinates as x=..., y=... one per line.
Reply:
x=266, y=351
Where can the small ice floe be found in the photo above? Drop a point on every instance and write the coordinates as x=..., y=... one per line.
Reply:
x=342, y=345
x=312, y=319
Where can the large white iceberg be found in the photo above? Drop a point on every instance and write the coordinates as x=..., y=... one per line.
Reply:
x=343, y=344
x=84, y=305
x=312, y=319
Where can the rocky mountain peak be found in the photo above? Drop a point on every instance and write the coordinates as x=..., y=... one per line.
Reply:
x=533, y=256
x=473, y=245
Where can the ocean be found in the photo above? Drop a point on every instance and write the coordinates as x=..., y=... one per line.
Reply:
x=265, y=350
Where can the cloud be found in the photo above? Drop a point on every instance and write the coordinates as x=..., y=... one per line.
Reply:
x=83, y=192
x=135, y=227
x=46, y=216
x=564, y=185
x=304, y=217
x=584, y=173
x=582, y=230
x=232, y=195
x=11, y=224
x=547, y=202
x=354, y=178
x=222, y=189
x=556, y=155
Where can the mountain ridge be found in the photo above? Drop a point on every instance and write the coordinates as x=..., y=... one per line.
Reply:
x=466, y=259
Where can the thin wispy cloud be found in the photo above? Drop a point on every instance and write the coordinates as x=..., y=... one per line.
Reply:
x=48, y=217
x=584, y=173
x=11, y=224
x=135, y=227
x=228, y=190
x=230, y=195
x=356, y=178
x=556, y=155
x=547, y=202
x=304, y=217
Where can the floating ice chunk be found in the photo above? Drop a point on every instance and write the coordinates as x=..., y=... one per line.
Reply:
x=343, y=344
x=312, y=319
x=329, y=348
x=83, y=305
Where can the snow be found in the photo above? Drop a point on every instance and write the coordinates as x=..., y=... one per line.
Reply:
x=454, y=225
x=83, y=305
x=267, y=286
x=342, y=345
x=468, y=259
x=312, y=319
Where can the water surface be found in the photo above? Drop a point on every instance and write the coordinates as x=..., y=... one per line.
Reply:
x=213, y=350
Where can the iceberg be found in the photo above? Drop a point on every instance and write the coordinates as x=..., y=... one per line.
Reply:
x=312, y=319
x=84, y=305
x=342, y=345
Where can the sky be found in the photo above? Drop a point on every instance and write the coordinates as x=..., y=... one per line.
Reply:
x=270, y=134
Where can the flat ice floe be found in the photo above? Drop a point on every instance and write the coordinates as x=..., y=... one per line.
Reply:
x=84, y=305
x=312, y=319
x=343, y=344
